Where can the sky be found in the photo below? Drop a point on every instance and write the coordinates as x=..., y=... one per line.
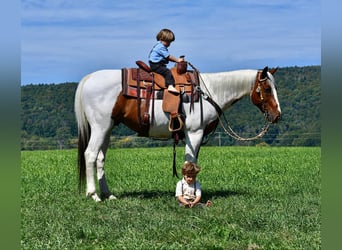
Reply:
x=62, y=41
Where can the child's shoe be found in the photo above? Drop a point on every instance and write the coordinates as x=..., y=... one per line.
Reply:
x=172, y=89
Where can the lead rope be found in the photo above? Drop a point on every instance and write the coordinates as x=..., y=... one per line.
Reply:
x=174, y=168
x=229, y=131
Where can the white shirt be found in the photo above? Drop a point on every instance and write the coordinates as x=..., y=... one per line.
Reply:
x=188, y=191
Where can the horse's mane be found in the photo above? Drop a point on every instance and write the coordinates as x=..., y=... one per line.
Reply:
x=230, y=85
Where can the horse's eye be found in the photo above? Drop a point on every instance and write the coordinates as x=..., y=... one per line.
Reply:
x=268, y=90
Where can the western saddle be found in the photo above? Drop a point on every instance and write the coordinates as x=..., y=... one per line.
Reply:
x=146, y=86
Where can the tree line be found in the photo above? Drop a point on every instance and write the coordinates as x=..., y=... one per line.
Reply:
x=48, y=119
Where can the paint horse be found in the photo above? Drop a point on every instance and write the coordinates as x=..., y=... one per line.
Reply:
x=98, y=93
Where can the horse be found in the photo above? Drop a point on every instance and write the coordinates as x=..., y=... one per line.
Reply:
x=98, y=92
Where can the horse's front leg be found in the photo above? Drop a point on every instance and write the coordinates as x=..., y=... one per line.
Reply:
x=105, y=193
x=193, y=144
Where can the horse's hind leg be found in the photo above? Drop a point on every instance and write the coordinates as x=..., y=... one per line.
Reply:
x=105, y=193
x=92, y=154
x=90, y=158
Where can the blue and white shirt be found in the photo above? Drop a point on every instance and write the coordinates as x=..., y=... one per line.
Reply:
x=159, y=53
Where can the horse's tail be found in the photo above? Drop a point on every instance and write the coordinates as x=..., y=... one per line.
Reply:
x=83, y=134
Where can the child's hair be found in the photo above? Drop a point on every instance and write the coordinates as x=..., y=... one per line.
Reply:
x=190, y=168
x=165, y=35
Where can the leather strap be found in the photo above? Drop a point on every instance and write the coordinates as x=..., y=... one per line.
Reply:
x=147, y=104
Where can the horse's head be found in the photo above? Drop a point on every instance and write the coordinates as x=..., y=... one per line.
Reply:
x=264, y=95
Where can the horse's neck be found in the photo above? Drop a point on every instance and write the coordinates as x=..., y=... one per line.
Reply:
x=228, y=87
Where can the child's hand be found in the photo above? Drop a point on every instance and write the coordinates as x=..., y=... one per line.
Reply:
x=181, y=58
x=192, y=204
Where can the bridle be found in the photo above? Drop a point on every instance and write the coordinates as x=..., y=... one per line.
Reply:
x=259, y=90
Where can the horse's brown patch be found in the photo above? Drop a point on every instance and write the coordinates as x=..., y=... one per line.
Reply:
x=262, y=96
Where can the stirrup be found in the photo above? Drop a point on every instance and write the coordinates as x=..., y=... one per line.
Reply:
x=175, y=117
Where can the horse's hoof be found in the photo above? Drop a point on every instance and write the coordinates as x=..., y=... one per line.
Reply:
x=112, y=197
x=108, y=196
x=95, y=197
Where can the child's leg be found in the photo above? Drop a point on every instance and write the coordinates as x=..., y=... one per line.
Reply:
x=164, y=71
x=169, y=80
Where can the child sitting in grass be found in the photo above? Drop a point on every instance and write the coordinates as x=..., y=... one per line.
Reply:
x=188, y=189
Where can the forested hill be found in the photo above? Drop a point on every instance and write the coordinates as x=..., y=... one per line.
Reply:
x=48, y=119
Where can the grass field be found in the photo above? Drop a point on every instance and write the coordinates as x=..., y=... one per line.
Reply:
x=263, y=198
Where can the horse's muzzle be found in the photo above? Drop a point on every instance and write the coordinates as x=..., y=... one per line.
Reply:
x=274, y=118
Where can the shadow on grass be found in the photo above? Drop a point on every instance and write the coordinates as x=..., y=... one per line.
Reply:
x=150, y=194
x=209, y=195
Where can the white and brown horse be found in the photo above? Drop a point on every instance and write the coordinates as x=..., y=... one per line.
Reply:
x=97, y=93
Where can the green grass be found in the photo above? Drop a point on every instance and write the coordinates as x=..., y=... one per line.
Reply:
x=263, y=198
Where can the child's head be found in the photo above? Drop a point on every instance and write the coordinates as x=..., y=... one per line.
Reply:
x=165, y=35
x=189, y=171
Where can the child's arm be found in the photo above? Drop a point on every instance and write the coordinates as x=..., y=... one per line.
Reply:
x=174, y=59
x=182, y=200
x=197, y=200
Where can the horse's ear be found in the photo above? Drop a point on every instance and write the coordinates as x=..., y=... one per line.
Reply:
x=272, y=71
x=264, y=72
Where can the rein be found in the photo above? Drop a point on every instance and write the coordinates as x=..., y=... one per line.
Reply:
x=229, y=131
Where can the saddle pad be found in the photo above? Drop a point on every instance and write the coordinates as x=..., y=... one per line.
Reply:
x=131, y=77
